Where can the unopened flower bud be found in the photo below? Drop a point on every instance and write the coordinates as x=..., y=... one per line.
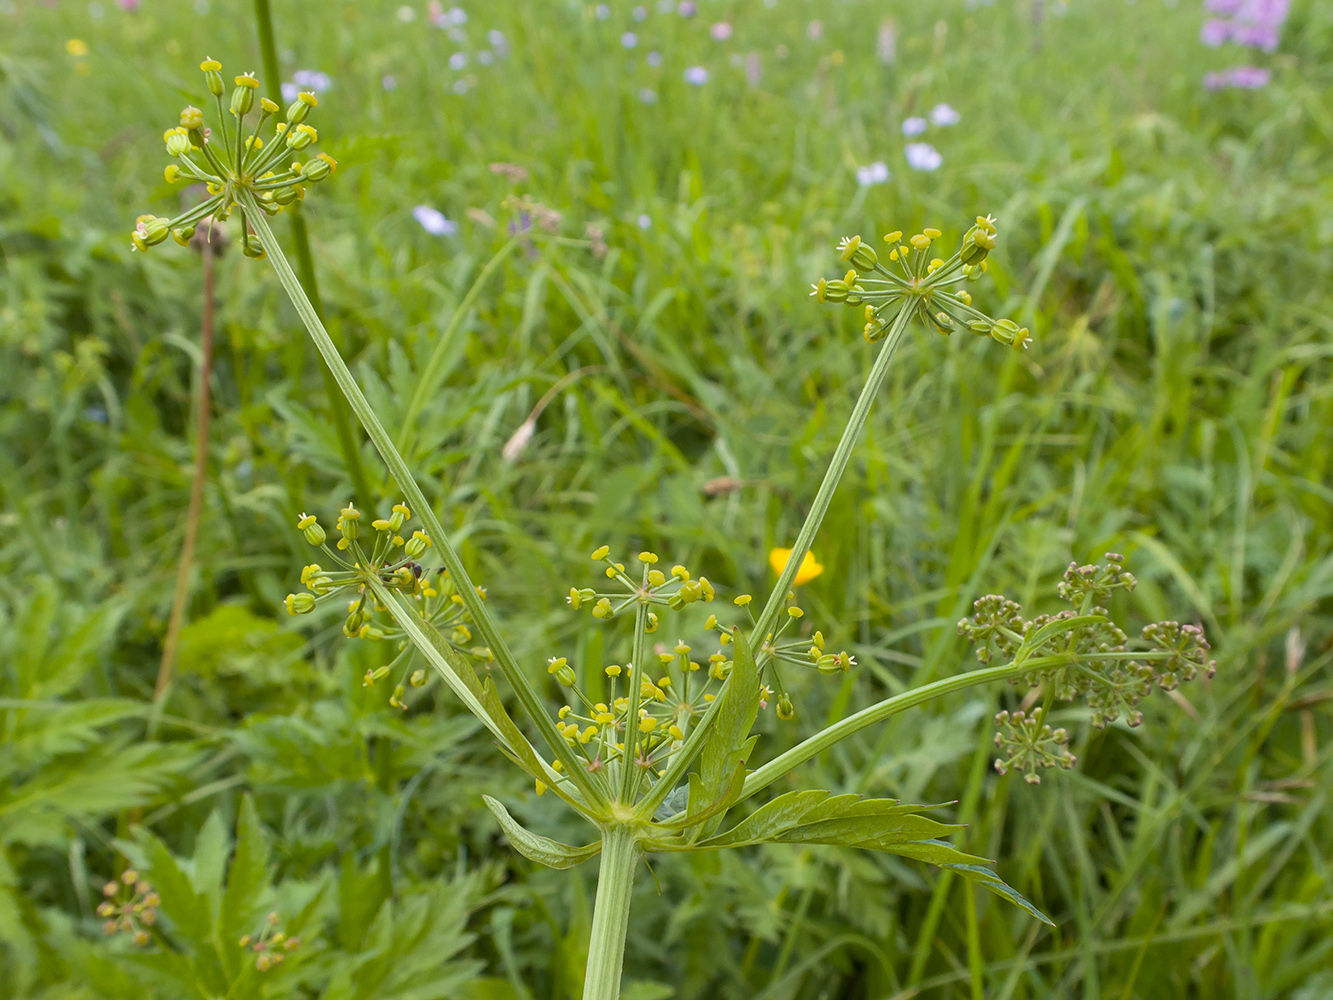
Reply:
x=301, y=136
x=183, y=236
x=858, y=253
x=300, y=604
x=309, y=524
x=786, y=710
x=835, y=291
x=417, y=545
x=287, y=195
x=320, y=167
x=177, y=140
x=213, y=76
x=300, y=108
x=243, y=97
x=418, y=678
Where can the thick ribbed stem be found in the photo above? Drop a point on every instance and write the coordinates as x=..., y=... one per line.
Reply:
x=610, y=915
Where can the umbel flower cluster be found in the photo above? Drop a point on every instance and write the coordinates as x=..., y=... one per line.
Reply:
x=1079, y=652
x=269, y=944
x=674, y=690
x=386, y=555
x=924, y=285
x=237, y=160
x=129, y=906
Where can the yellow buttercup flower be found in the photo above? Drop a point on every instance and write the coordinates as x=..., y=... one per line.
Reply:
x=77, y=47
x=810, y=566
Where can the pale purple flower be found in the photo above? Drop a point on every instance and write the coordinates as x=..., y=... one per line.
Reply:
x=872, y=173
x=1243, y=77
x=485, y=57
x=496, y=38
x=696, y=75
x=720, y=31
x=311, y=80
x=433, y=221
x=388, y=82
x=1252, y=23
x=458, y=60
x=686, y=8
x=943, y=115
x=1215, y=32
x=923, y=156
x=648, y=96
x=653, y=59
x=645, y=222
x=640, y=14
x=1260, y=35
x=602, y=12
x=914, y=126
x=814, y=30
x=629, y=39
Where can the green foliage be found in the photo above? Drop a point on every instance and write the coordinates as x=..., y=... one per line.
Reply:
x=1168, y=249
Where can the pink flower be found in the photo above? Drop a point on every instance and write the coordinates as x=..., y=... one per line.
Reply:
x=720, y=31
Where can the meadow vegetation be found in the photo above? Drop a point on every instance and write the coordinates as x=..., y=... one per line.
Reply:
x=567, y=257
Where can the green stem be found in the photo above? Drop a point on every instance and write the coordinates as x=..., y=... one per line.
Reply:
x=783, y=763
x=637, y=668
x=610, y=915
x=342, y=422
x=805, y=538
x=379, y=437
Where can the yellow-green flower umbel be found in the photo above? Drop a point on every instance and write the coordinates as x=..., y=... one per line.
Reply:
x=231, y=162
x=923, y=283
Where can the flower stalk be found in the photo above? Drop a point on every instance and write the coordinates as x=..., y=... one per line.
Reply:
x=610, y=915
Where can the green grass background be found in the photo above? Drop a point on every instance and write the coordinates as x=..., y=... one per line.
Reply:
x=1170, y=248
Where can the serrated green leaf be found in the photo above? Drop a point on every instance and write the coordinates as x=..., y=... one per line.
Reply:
x=934, y=852
x=863, y=831
x=535, y=847
x=186, y=908
x=989, y=880
x=781, y=813
x=246, y=878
